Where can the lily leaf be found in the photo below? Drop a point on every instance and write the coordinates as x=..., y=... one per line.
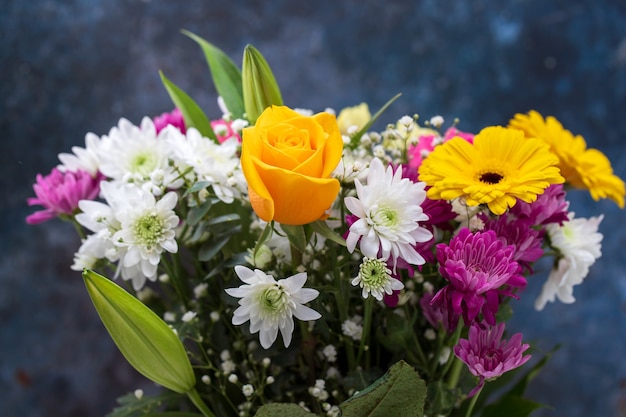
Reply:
x=260, y=89
x=400, y=392
x=192, y=113
x=145, y=340
x=226, y=75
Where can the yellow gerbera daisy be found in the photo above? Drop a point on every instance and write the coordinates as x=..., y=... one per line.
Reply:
x=582, y=167
x=500, y=167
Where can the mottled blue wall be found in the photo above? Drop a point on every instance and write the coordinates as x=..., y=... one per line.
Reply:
x=74, y=66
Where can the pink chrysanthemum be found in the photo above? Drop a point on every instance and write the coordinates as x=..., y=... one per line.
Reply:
x=488, y=356
x=476, y=266
x=173, y=118
x=59, y=193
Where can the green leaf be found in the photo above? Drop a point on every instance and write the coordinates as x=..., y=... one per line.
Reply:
x=200, y=185
x=131, y=406
x=172, y=414
x=296, y=235
x=192, y=113
x=321, y=227
x=282, y=410
x=260, y=89
x=354, y=140
x=226, y=75
x=511, y=406
x=208, y=251
x=198, y=212
x=266, y=234
x=146, y=341
x=399, y=393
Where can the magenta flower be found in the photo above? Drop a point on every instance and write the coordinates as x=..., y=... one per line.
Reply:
x=174, y=118
x=224, y=130
x=416, y=153
x=488, y=356
x=453, y=132
x=426, y=144
x=59, y=193
x=435, y=315
x=476, y=266
x=521, y=234
x=550, y=207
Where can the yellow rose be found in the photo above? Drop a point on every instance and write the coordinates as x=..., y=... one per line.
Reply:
x=352, y=119
x=287, y=159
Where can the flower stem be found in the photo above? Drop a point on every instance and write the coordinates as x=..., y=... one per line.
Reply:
x=472, y=403
x=197, y=401
x=367, y=324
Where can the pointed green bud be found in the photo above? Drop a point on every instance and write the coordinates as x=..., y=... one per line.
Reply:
x=146, y=341
x=260, y=89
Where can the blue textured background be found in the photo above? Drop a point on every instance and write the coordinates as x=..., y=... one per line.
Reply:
x=67, y=68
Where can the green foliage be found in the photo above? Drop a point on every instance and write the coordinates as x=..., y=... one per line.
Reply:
x=131, y=406
x=354, y=140
x=282, y=410
x=260, y=89
x=399, y=393
x=226, y=75
x=146, y=341
x=192, y=113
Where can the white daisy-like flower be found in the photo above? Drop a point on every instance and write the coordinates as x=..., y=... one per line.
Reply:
x=135, y=154
x=213, y=162
x=147, y=229
x=82, y=159
x=270, y=305
x=389, y=211
x=375, y=278
x=579, y=244
x=100, y=218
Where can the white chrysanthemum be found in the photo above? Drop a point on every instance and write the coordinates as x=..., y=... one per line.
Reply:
x=375, y=278
x=82, y=159
x=133, y=154
x=270, y=305
x=147, y=229
x=389, y=209
x=92, y=249
x=100, y=218
x=213, y=162
x=579, y=244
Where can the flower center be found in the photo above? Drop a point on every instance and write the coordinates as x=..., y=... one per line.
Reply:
x=384, y=216
x=149, y=230
x=490, y=178
x=273, y=299
x=373, y=273
x=492, y=358
x=143, y=163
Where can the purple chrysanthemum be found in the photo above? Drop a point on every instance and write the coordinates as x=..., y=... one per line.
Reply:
x=59, y=193
x=519, y=233
x=488, y=356
x=435, y=315
x=476, y=266
x=550, y=207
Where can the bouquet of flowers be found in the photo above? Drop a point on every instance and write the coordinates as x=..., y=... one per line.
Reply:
x=385, y=260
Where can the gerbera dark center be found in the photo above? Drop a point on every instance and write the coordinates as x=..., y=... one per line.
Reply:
x=491, y=177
